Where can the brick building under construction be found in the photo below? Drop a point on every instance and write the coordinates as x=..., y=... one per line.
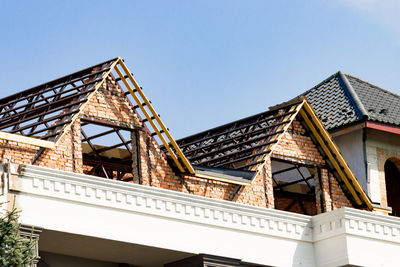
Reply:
x=98, y=122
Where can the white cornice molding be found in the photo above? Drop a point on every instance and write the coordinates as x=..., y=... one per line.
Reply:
x=97, y=191
x=356, y=223
x=91, y=190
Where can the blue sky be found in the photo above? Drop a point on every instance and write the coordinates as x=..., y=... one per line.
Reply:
x=204, y=63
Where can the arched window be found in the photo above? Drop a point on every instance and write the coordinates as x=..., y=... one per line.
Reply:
x=392, y=178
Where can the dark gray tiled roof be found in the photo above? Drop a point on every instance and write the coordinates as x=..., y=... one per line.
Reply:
x=342, y=99
x=381, y=105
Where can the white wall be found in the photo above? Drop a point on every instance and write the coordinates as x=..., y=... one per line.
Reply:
x=129, y=213
x=58, y=260
x=356, y=238
x=377, y=139
x=351, y=147
x=106, y=220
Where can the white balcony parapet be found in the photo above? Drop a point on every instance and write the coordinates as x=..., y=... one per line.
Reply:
x=161, y=202
x=98, y=207
x=355, y=237
x=357, y=223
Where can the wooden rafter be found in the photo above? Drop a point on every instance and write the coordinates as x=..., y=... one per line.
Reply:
x=334, y=157
x=45, y=110
x=152, y=118
x=241, y=144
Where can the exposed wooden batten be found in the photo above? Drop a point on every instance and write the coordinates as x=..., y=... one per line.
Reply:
x=27, y=140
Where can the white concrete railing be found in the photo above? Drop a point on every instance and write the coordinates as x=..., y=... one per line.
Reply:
x=354, y=237
x=357, y=223
x=127, y=196
x=278, y=238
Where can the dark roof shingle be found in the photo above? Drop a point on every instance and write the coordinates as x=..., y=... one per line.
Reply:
x=342, y=99
x=381, y=105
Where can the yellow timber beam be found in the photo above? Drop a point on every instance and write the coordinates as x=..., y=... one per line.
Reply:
x=334, y=155
x=164, y=129
x=27, y=140
x=283, y=128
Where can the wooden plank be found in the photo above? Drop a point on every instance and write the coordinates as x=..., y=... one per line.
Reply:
x=332, y=156
x=113, y=124
x=118, y=153
x=282, y=129
x=27, y=140
x=155, y=114
x=155, y=128
x=339, y=158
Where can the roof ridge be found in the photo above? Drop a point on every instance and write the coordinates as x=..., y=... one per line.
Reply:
x=352, y=94
x=319, y=84
x=364, y=81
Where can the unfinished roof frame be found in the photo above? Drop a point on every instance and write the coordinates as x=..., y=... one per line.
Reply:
x=45, y=111
x=233, y=145
x=43, y=114
x=213, y=140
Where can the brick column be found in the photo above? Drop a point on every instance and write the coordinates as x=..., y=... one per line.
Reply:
x=260, y=192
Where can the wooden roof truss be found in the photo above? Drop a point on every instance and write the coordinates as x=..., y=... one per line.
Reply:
x=39, y=116
x=43, y=112
x=240, y=144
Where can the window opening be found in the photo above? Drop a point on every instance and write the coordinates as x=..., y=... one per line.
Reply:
x=294, y=187
x=109, y=150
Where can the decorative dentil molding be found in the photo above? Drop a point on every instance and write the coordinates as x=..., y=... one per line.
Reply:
x=356, y=223
x=130, y=197
x=91, y=190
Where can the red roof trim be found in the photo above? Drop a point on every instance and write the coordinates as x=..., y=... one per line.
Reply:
x=383, y=127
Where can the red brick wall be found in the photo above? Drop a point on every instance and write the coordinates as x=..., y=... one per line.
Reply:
x=260, y=192
x=66, y=156
x=109, y=104
x=15, y=152
x=296, y=146
x=293, y=205
x=155, y=170
x=332, y=194
x=208, y=188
